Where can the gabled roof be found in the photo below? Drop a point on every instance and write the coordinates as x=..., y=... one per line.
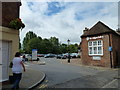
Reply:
x=97, y=29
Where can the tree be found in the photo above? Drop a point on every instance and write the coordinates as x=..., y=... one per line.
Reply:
x=73, y=48
x=46, y=46
x=63, y=48
x=55, y=45
x=28, y=37
x=34, y=43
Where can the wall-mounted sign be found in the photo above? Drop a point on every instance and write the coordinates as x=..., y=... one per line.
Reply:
x=98, y=37
x=109, y=48
x=34, y=54
x=96, y=58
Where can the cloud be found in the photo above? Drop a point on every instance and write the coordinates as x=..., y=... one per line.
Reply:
x=66, y=20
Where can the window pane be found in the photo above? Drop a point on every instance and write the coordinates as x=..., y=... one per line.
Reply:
x=95, y=50
x=99, y=42
x=99, y=50
x=90, y=43
x=94, y=43
x=90, y=50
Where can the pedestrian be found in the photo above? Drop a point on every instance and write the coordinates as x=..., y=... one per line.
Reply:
x=17, y=70
x=24, y=59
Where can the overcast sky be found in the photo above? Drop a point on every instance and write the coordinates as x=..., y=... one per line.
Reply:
x=66, y=20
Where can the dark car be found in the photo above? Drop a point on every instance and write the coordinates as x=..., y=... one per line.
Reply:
x=49, y=56
x=61, y=56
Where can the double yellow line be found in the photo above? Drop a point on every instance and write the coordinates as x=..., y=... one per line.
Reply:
x=44, y=85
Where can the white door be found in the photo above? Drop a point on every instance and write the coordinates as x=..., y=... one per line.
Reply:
x=5, y=60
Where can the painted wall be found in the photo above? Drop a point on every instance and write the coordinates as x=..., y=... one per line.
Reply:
x=11, y=36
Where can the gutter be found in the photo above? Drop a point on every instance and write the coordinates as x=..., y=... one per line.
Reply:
x=110, y=51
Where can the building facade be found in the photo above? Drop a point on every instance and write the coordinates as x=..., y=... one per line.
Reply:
x=100, y=46
x=9, y=38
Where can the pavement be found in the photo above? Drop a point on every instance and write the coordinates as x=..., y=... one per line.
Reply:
x=30, y=79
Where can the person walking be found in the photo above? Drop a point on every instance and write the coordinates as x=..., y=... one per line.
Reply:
x=24, y=59
x=17, y=68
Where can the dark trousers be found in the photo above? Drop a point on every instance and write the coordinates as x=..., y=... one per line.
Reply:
x=17, y=78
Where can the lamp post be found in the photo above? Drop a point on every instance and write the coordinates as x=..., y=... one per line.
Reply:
x=68, y=51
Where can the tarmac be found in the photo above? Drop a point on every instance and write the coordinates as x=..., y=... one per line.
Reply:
x=30, y=79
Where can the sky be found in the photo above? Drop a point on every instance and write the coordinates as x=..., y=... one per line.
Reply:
x=66, y=20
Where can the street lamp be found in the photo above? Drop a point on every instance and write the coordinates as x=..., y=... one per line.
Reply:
x=68, y=51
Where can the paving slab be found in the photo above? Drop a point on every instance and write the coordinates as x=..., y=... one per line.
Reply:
x=29, y=80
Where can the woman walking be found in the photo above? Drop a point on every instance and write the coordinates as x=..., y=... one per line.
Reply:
x=17, y=70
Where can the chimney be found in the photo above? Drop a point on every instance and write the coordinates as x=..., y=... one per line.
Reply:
x=86, y=29
x=118, y=30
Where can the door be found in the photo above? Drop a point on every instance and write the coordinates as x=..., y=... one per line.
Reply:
x=5, y=59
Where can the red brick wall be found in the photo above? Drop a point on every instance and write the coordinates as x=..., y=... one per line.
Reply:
x=105, y=59
x=10, y=11
x=116, y=49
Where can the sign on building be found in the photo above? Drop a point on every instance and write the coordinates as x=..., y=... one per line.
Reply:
x=96, y=58
x=34, y=54
x=109, y=48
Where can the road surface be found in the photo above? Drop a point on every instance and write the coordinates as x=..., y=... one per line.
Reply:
x=60, y=75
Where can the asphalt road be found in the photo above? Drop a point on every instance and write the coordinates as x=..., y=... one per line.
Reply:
x=70, y=76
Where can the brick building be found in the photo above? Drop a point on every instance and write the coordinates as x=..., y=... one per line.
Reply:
x=100, y=46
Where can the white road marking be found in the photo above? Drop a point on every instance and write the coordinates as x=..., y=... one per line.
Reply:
x=109, y=83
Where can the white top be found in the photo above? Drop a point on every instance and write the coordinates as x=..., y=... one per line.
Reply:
x=17, y=66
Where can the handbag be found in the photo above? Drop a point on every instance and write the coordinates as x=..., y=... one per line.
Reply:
x=11, y=64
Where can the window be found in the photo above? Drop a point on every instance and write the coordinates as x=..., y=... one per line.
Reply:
x=95, y=47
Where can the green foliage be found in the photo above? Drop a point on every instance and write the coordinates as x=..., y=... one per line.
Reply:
x=26, y=40
x=44, y=46
x=73, y=48
x=16, y=24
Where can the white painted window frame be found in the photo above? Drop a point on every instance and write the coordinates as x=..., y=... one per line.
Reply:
x=92, y=46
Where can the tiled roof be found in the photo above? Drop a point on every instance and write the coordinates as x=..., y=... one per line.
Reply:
x=98, y=28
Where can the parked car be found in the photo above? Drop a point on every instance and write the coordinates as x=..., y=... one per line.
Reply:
x=49, y=56
x=64, y=56
x=40, y=55
x=74, y=55
x=61, y=56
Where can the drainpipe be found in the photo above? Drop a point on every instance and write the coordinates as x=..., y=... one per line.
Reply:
x=110, y=51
